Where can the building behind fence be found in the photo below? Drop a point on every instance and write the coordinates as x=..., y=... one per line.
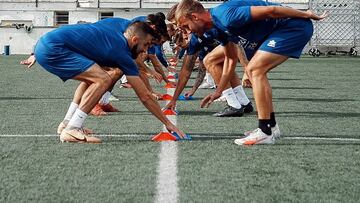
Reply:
x=22, y=22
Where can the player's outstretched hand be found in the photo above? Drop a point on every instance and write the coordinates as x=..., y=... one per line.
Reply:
x=188, y=94
x=209, y=99
x=157, y=76
x=29, y=61
x=245, y=81
x=172, y=128
x=171, y=105
x=314, y=16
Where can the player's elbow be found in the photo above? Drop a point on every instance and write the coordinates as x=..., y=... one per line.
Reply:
x=271, y=11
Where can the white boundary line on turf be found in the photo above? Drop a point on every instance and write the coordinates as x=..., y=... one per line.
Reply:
x=322, y=138
x=194, y=136
x=167, y=189
x=167, y=181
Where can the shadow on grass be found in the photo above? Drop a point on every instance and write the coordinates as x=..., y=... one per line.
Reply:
x=299, y=88
x=311, y=99
x=319, y=114
x=284, y=79
x=211, y=137
x=197, y=113
x=34, y=98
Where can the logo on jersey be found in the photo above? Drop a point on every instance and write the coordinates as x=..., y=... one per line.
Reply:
x=272, y=43
x=246, y=44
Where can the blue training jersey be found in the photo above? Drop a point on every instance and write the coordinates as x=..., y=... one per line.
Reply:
x=103, y=42
x=203, y=44
x=157, y=50
x=233, y=21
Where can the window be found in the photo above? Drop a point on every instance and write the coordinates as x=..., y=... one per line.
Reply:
x=104, y=15
x=61, y=18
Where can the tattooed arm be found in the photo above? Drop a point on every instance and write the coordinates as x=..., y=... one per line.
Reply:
x=185, y=73
x=245, y=81
x=199, y=79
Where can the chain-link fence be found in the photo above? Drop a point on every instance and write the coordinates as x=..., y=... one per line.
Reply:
x=340, y=31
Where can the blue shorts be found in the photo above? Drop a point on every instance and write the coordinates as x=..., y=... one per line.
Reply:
x=56, y=58
x=289, y=38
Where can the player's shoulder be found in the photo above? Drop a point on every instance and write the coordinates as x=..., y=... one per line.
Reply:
x=114, y=20
x=139, y=18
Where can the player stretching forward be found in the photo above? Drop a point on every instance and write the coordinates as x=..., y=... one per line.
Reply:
x=82, y=52
x=273, y=32
x=204, y=47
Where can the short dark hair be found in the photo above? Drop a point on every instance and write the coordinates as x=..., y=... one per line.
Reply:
x=158, y=20
x=141, y=29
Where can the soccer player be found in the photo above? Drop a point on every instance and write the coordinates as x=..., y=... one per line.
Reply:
x=207, y=47
x=97, y=55
x=272, y=32
x=157, y=22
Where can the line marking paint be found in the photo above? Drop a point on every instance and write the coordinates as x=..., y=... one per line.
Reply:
x=167, y=186
x=167, y=182
x=192, y=135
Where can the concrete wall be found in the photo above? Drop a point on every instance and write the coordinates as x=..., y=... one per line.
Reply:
x=41, y=16
x=22, y=42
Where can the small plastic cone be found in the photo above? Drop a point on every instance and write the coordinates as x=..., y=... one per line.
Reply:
x=182, y=97
x=167, y=97
x=169, y=112
x=187, y=137
x=163, y=136
x=170, y=77
x=169, y=85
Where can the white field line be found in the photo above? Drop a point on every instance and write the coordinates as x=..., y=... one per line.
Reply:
x=192, y=135
x=167, y=181
x=167, y=189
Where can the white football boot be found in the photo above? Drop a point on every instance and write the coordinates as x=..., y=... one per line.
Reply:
x=256, y=136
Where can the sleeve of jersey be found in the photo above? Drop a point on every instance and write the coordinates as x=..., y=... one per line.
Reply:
x=160, y=56
x=193, y=46
x=151, y=50
x=237, y=17
x=127, y=65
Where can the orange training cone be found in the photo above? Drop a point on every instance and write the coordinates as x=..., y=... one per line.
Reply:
x=167, y=97
x=169, y=112
x=169, y=85
x=163, y=136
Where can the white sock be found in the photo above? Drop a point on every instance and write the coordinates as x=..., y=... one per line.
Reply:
x=231, y=98
x=72, y=108
x=209, y=79
x=105, y=98
x=123, y=79
x=241, y=96
x=78, y=119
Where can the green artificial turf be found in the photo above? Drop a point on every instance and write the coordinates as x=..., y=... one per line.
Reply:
x=313, y=97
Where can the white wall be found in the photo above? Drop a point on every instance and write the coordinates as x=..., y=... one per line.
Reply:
x=22, y=42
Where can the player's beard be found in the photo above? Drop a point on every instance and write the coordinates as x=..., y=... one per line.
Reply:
x=135, y=52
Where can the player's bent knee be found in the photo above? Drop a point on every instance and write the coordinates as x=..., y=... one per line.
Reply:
x=104, y=80
x=255, y=71
x=207, y=61
x=116, y=74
